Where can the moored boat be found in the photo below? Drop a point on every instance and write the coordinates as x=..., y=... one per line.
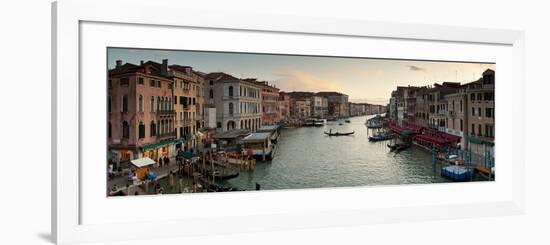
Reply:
x=398, y=147
x=319, y=122
x=375, y=122
x=457, y=173
x=259, y=145
x=382, y=136
x=401, y=147
x=310, y=122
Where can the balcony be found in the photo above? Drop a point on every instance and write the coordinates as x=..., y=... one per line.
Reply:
x=167, y=135
x=166, y=112
x=234, y=97
x=186, y=121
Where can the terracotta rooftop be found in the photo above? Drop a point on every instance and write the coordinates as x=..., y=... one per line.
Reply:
x=151, y=68
x=299, y=94
x=220, y=76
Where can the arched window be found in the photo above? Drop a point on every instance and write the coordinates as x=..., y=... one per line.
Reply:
x=230, y=91
x=230, y=125
x=153, y=129
x=125, y=130
x=231, y=109
x=211, y=94
x=241, y=124
x=152, y=105
x=140, y=103
x=158, y=103
x=158, y=128
x=141, y=130
x=124, y=103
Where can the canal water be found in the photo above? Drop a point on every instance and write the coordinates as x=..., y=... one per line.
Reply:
x=307, y=158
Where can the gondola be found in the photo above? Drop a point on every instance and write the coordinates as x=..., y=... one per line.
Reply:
x=401, y=147
x=398, y=147
x=339, y=134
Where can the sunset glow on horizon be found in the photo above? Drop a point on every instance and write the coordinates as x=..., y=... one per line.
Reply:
x=363, y=79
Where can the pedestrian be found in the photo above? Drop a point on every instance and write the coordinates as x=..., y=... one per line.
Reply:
x=160, y=162
x=134, y=178
x=157, y=186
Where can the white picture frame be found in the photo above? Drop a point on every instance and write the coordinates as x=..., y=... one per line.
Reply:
x=68, y=17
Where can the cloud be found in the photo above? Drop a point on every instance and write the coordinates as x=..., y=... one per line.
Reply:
x=416, y=68
x=295, y=80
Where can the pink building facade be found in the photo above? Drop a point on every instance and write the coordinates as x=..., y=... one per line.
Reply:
x=270, y=106
x=283, y=105
x=140, y=112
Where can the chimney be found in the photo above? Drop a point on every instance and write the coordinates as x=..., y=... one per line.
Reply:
x=165, y=65
x=118, y=63
x=141, y=63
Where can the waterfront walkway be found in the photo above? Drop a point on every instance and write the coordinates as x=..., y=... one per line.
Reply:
x=122, y=181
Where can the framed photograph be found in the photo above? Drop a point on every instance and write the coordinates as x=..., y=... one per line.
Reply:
x=168, y=124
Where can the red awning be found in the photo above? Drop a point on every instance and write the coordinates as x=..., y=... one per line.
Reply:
x=438, y=138
x=416, y=128
x=412, y=127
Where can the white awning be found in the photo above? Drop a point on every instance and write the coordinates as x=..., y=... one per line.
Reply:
x=142, y=162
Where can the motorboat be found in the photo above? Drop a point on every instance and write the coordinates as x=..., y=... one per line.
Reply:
x=382, y=136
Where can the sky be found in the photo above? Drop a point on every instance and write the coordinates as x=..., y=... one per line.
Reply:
x=362, y=79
